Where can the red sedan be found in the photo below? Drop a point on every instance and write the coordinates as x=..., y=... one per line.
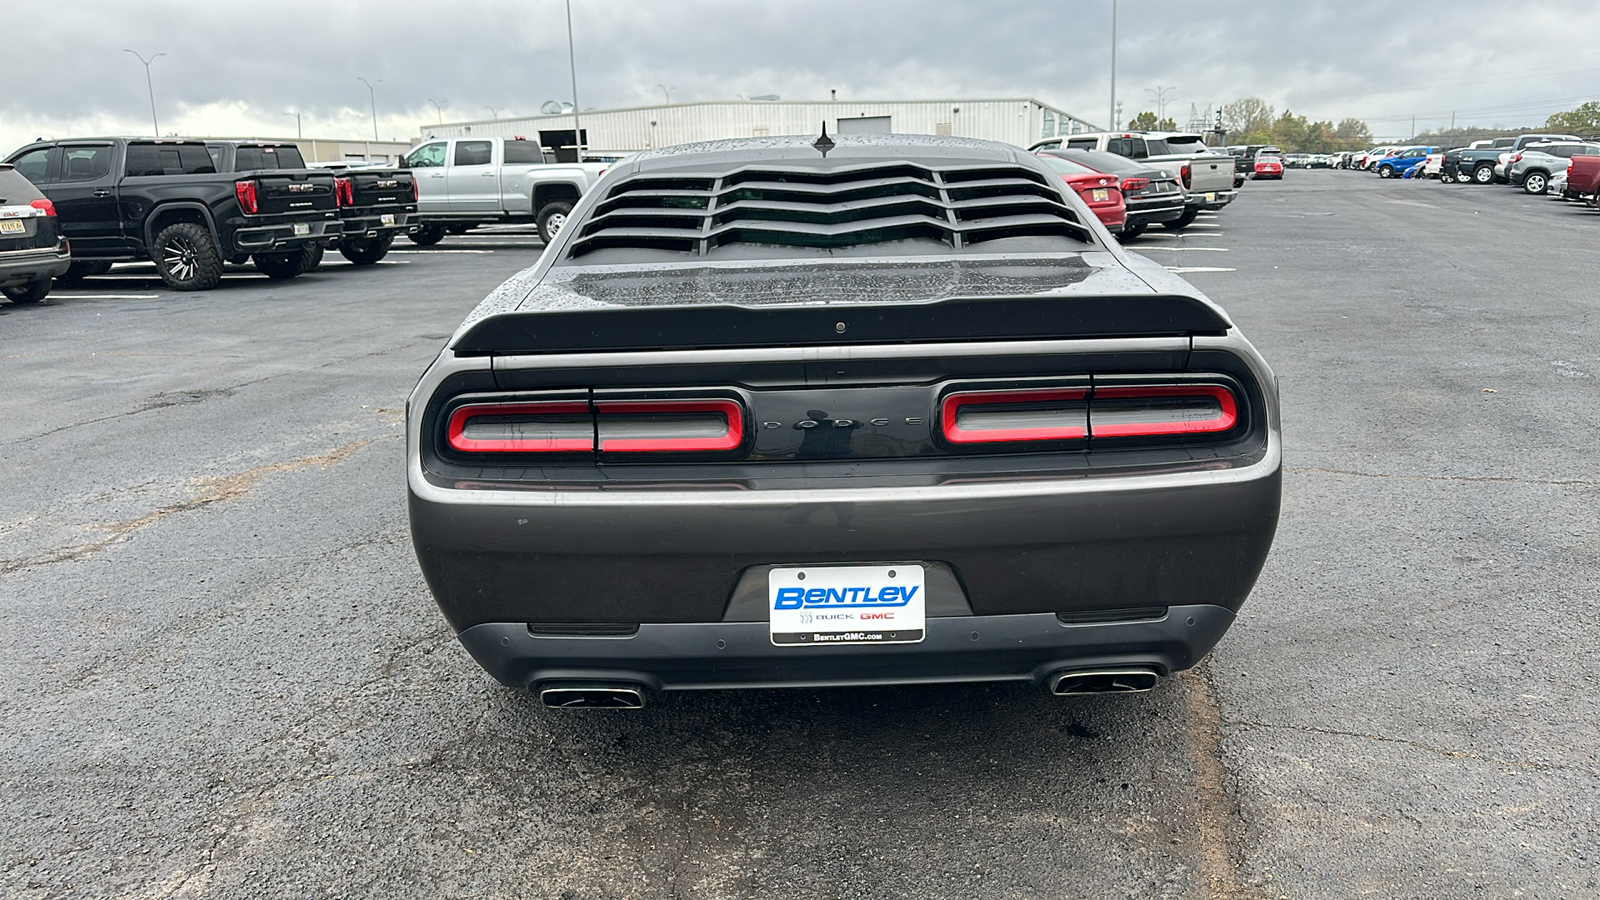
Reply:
x=1101, y=191
x=1269, y=167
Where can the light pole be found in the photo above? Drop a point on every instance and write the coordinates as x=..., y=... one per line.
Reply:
x=438, y=110
x=372, y=98
x=298, y=134
x=150, y=87
x=493, y=112
x=572, y=61
x=1161, y=99
x=667, y=92
x=1113, y=105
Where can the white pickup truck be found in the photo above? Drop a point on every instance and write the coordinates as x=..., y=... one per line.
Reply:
x=1205, y=173
x=467, y=181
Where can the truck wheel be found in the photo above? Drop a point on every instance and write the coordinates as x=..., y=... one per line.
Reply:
x=551, y=218
x=1133, y=230
x=366, y=251
x=1183, y=221
x=280, y=266
x=186, y=259
x=427, y=235
x=32, y=292
x=81, y=269
x=1535, y=183
x=313, y=258
x=461, y=228
x=1483, y=174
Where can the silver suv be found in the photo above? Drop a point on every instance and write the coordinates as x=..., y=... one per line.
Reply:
x=1536, y=164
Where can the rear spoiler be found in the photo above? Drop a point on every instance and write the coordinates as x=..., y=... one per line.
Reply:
x=704, y=327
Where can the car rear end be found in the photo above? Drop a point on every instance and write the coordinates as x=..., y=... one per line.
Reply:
x=32, y=248
x=1268, y=167
x=375, y=204
x=765, y=419
x=282, y=210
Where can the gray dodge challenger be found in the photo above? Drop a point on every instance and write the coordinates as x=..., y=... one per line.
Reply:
x=813, y=411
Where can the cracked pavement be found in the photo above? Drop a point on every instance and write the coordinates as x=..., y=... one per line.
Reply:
x=225, y=678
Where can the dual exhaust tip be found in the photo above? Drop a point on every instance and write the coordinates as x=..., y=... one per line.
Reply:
x=1130, y=680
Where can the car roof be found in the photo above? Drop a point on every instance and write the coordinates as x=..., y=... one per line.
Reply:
x=1110, y=163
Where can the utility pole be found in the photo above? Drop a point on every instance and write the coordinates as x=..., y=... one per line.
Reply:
x=1113, y=105
x=298, y=134
x=438, y=110
x=572, y=62
x=149, y=86
x=1161, y=99
x=1413, y=127
x=372, y=97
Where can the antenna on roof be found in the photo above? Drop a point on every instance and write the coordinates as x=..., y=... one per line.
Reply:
x=824, y=143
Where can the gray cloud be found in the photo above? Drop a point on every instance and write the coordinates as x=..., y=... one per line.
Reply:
x=232, y=67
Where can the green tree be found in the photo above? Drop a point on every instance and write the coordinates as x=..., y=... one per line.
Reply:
x=1352, y=134
x=1248, y=120
x=1167, y=124
x=1145, y=121
x=1585, y=120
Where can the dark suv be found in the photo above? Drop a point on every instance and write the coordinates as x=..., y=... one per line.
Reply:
x=32, y=250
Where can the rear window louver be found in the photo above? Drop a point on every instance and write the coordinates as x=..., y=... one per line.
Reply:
x=869, y=204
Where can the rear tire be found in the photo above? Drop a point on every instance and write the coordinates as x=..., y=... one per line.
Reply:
x=186, y=258
x=1183, y=221
x=1483, y=174
x=313, y=258
x=32, y=292
x=366, y=251
x=1133, y=230
x=1386, y=171
x=280, y=266
x=426, y=235
x=551, y=219
x=1535, y=183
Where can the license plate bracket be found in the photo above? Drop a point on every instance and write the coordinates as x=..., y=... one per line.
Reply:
x=301, y=229
x=876, y=604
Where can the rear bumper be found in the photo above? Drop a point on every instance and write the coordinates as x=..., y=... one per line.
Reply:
x=1162, y=211
x=376, y=223
x=258, y=238
x=1218, y=200
x=22, y=266
x=699, y=656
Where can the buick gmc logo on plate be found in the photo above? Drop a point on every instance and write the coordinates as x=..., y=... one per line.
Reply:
x=846, y=605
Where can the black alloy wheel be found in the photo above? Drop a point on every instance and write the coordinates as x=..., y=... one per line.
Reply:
x=186, y=259
x=31, y=292
x=426, y=235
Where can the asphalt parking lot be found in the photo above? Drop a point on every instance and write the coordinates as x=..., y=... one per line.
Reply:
x=225, y=677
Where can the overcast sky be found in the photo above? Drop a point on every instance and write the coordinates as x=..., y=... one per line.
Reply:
x=236, y=68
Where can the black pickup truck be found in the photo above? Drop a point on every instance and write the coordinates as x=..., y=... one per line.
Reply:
x=123, y=199
x=375, y=204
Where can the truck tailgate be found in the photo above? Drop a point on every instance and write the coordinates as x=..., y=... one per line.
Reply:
x=381, y=187
x=1209, y=174
x=292, y=190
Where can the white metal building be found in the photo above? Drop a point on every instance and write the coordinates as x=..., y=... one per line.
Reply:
x=1018, y=121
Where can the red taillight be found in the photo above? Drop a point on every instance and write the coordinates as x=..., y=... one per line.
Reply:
x=669, y=426
x=1161, y=409
x=1184, y=174
x=981, y=417
x=44, y=204
x=344, y=192
x=1517, y=158
x=246, y=192
x=546, y=426
x=413, y=189
x=1135, y=184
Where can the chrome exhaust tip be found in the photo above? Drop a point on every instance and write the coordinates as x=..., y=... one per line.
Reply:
x=1103, y=681
x=592, y=696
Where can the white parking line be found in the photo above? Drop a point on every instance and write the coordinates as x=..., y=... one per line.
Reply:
x=1212, y=249
x=1184, y=270
x=441, y=251
x=1173, y=234
x=68, y=295
x=1204, y=224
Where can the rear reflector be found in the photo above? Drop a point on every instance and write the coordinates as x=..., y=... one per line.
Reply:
x=980, y=417
x=669, y=426
x=1164, y=409
x=549, y=426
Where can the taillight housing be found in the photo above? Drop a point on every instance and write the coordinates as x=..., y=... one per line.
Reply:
x=246, y=191
x=413, y=189
x=533, y=427
x=1115, y=413
x=44, y=203
x=714, y=425
x=1135, y=184
x=1184, y=174
x=344, y=192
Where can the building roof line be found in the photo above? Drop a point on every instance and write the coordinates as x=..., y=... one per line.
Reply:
x=624, y=109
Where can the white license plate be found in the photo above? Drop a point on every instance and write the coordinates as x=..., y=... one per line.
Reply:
x=12, y=226
x=1100, y=195
x=387, y=218
x=301, y=229
x=846, y=605
x=1211, y=197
